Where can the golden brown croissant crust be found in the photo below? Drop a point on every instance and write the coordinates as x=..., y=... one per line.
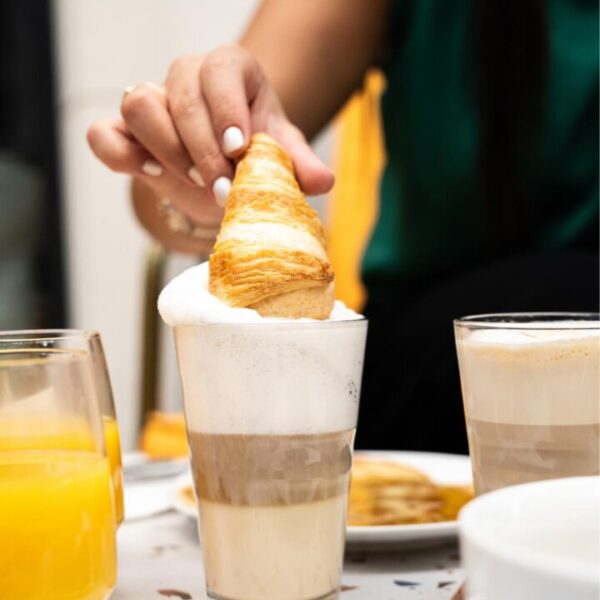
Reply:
x=271, y=241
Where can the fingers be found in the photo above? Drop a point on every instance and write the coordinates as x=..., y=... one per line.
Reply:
x=192, y=129
x=231, y=79
x=192, y=120
x=115, y=147
x=146, y=116
x=313, y=175
x=195, y=203
x=173, y=231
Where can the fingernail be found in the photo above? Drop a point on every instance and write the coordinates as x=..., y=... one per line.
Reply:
x=233, y=139
x=195, y=176
x=221, y=189
x=152, y=168
x=128, y=90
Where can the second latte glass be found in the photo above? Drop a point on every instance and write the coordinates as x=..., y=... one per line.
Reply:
x=530, y=386
x=271, y=411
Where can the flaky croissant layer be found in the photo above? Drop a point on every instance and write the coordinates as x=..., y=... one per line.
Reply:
x=270, y=254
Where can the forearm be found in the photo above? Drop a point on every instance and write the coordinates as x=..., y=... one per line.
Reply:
x=316, y=52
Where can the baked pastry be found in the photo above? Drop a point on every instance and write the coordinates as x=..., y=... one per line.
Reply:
x=388, y=493
x=270, y=252
x=164, y=436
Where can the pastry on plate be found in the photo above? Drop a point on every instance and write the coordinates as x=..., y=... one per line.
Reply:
x=389, y=493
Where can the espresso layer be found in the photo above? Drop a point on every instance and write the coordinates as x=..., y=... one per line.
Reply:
x=505, y=454
x=270, y=470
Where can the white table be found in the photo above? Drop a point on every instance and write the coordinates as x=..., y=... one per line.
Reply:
x=163, y=553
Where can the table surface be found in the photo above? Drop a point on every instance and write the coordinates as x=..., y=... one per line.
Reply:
x=159, y=557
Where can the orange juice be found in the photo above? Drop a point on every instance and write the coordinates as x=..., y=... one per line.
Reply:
x=65, y=433
x=57, y=526
x=113, y=451
x=28, y=432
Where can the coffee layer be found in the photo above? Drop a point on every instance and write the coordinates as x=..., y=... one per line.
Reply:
x=506, y=454
x=271, y=470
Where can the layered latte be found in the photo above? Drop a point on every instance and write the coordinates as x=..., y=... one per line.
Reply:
x=271, y=408
x=276, y=500
x=531, y=402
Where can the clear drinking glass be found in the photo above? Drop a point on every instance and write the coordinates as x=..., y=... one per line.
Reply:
x=90, y=342
x=112, y=438
x=271, y=411
x=530, y=385
x=57, y=507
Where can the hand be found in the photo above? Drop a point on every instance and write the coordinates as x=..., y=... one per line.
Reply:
x=182, y=139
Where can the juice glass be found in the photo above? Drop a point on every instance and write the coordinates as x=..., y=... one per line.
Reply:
x=112, y=439
x=57, y=509
x=90, y=342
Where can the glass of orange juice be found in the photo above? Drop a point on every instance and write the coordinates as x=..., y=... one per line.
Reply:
x=91, y=342
x=57, y=504
x=112, y=439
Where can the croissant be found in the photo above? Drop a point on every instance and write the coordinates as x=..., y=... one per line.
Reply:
x=270, y=252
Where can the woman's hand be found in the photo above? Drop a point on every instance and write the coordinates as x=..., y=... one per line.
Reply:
x=182, y=139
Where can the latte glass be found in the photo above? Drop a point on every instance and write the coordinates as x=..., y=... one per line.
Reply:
x=271, y=411
x=530, y=385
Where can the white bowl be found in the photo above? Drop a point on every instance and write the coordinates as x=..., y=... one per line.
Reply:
x=536, y=541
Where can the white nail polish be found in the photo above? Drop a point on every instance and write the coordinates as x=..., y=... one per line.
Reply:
x=152, y=168
x=195, y=176
x=233, y=139
x=221, y=189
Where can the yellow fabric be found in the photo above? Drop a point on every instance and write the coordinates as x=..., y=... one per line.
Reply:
x=353, y=204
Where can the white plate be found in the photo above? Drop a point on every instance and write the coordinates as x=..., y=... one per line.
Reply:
x=179, y=504
x=445, y=469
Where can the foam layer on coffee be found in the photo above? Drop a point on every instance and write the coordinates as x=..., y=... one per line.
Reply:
x=532, y=376
x=187, y=301
x=284, y=379
x=537, y=333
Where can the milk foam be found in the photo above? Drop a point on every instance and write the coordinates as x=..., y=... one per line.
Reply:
x=187, y=301
x=532, y=376
x=247, y=374
x=299, y=378
x=536, y=333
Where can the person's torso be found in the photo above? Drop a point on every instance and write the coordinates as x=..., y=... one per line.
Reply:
x=429, y=220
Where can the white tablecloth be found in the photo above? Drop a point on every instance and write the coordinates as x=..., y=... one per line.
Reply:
x=161, y=555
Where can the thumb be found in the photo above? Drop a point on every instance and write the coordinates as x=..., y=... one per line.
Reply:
x=313, y=175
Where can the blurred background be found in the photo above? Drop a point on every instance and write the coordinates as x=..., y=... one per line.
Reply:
x=71, y=251
x=73, y=255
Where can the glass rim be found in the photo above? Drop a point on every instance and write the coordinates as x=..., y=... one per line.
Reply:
x=44, y=335
x=292, y=324
x=48, y=353
x=545, y=321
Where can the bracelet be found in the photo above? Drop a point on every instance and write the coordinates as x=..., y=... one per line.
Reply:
x=177, y=222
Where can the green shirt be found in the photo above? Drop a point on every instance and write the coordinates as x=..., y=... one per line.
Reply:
x=428, y=220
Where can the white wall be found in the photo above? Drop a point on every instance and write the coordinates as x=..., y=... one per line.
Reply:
x=102, y=47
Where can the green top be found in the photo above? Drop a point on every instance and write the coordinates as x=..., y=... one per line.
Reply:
x=427, y=222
